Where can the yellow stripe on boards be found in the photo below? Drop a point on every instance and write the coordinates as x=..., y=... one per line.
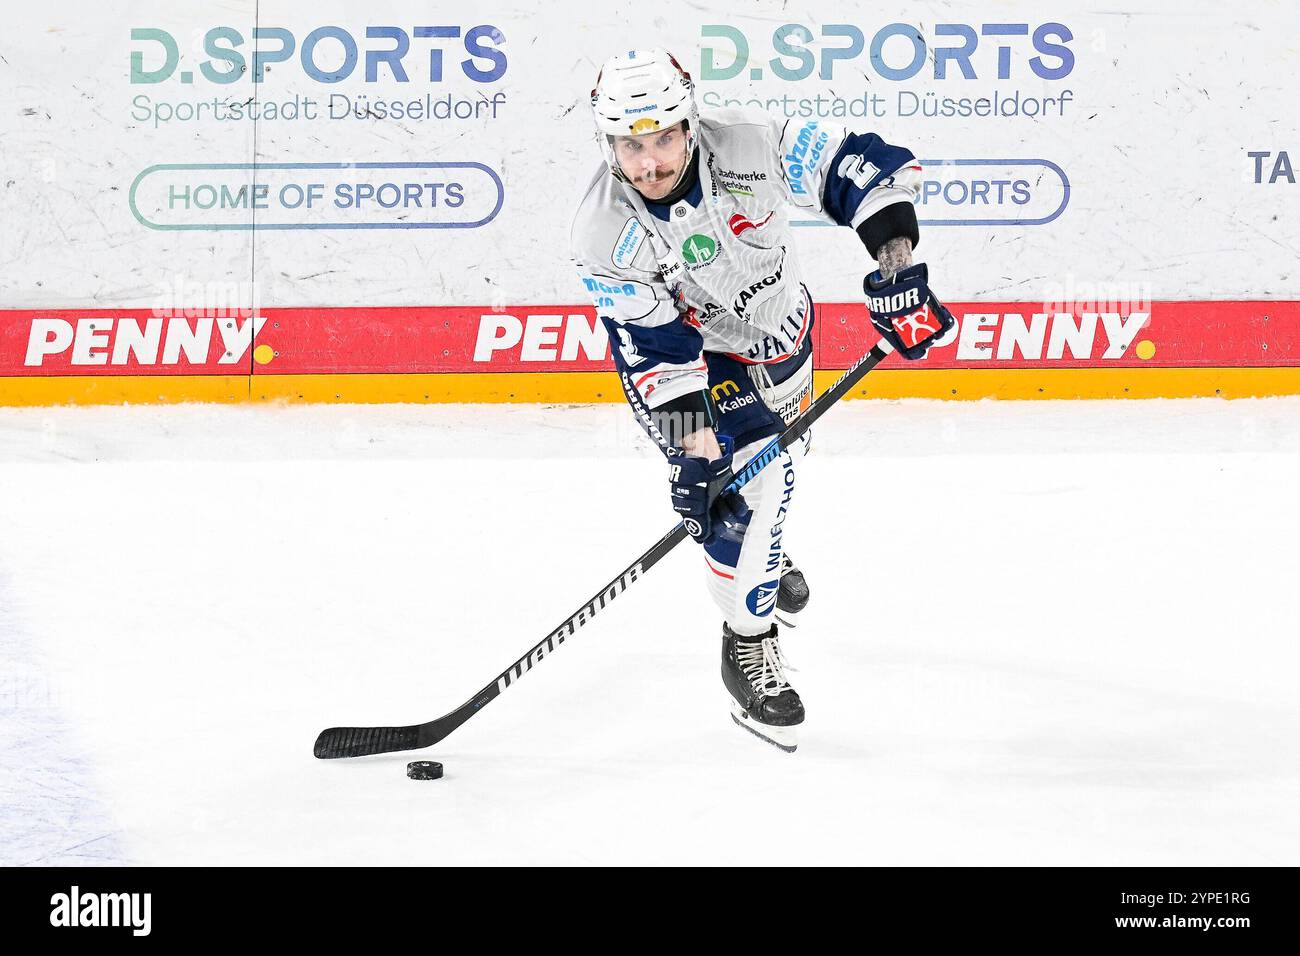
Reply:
x=122, y=389
x=565, y=387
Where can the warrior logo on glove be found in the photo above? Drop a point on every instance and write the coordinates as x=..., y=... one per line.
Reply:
x=913, y=327
x=905, y=312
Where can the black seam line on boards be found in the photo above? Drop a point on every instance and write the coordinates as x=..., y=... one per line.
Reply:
x=252, y=250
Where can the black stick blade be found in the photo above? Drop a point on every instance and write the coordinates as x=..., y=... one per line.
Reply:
x=363, y=741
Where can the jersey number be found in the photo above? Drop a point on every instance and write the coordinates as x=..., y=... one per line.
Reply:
x=858, y=170
x=627, y=347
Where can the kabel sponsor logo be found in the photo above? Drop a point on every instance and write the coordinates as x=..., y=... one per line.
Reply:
x=731, y=405
x=722, y=390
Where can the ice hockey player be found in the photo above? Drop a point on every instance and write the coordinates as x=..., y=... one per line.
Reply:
x=683, y=242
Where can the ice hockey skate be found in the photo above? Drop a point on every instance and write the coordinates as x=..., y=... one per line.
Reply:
x=763, y=702
x=792, y=596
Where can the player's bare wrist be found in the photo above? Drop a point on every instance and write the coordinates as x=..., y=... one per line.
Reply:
x=894, y=255
x=703, y=444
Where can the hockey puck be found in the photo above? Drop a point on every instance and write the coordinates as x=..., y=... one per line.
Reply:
x=424, y=770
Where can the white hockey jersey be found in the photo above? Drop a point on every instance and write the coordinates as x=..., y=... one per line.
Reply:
x=717, y=271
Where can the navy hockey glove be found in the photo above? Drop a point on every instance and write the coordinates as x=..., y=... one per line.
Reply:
x=905, y=311
x=691, y=479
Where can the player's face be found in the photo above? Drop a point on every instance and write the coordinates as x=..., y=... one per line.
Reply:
x=652, y=162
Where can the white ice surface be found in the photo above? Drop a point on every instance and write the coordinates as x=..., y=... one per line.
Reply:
x=1041, y=633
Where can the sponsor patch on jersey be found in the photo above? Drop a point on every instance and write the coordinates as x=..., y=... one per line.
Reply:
x=700, y=316
x=762, y=599
x=605, y=291
x=628, y=243
x=595, y=285
x=736, y=182
x=803, y=159
x=759, y=291
x=739, y=223
x=699, y=250
x=723, y=389
x=794, y=405
x=736, y=404
x=739, y=183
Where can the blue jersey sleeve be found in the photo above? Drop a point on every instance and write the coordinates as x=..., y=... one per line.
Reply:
x=641, y=348
x=864, y=164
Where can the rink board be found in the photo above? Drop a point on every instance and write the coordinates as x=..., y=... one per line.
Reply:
x=386, y=204
x=541, y=353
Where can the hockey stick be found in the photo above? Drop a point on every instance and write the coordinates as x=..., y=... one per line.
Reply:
x=363, y=741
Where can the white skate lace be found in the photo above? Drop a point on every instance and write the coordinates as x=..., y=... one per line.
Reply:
x=763, y=666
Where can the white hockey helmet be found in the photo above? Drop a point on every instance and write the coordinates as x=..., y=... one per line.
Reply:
x=639, y=92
